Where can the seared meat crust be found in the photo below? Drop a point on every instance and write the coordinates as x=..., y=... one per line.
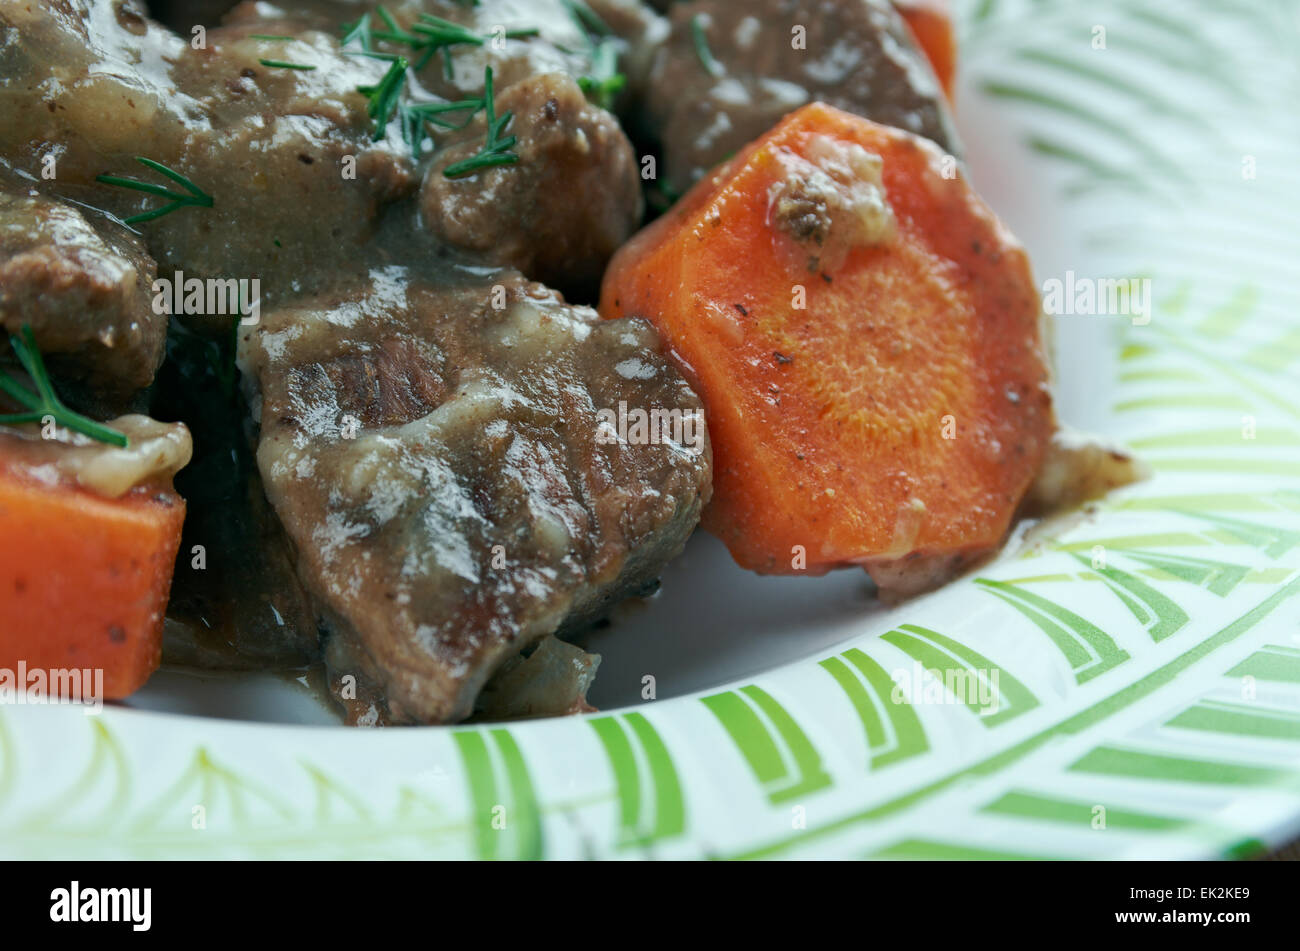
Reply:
x=773, y=56
x=84, y=288
x=94, y=84
x=439, y=458
x=561, y=211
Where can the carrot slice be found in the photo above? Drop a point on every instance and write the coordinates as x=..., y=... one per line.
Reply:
x=878, y=395
x=931, y=25
x=84, y=579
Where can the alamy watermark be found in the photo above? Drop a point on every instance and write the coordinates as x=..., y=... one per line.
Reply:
x=652, y=427
x=925, y=685
x=213, y=296
x=79, y=903
x=1099, y=297
x=46, y=685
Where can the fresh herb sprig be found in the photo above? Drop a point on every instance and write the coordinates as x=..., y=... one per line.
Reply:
x=413, y=117
x=196, y=196
x=395, y=34
x=426, y=37
x=385, y=101
x=45, y=402
x=604, y=82
x=384, y=96
x=281, y=64
x=701, y=40
x=496, y=150
x=359, y=32
x=588, y=20
x=430, y=111
x=440, y=33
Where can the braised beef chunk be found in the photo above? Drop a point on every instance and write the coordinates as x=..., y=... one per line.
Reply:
x=544, y=36
x=639, y=30
x=83, y=284
x=561, y=211
x=465, y=468
x=730, y=71
x=632, y=20
x=265, y=143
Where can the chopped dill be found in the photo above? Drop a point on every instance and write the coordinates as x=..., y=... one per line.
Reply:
x=196, y=196
x=588, y=20
x=604, y=82
x=496, y=150
x=426, y=38
x=711, y=65
x=45, y=402
x=281, y=64
x=384, y=95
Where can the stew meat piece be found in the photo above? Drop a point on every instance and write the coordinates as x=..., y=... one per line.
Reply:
x=95, y=84
x=561, y=211
x=730, y=71
x=453, y=490
x=547, y=37
x=83, y=284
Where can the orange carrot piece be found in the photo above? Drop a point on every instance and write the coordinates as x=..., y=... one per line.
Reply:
x=84, y=579
x=904, y=410
x=931, y=24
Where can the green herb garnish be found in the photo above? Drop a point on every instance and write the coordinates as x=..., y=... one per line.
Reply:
x=45, y=402
x=605, y=81
x=414, y=116
x=435, y=33
x=496, y=150
x=439, y=32
x=197, y=196
x=711, y=65
x=373, y=54
x=431, y=111
x=427, y=37
x=413, y=130
x=446, y=33
x=358, y=31
x=383, y=96
x=588, y=20
x=281, y=64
